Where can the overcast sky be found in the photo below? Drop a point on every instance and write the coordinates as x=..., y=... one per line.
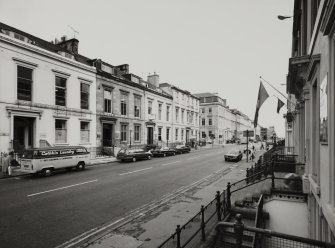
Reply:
x=218, y=46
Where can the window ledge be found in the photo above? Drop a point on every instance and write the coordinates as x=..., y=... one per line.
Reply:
x=85, y=143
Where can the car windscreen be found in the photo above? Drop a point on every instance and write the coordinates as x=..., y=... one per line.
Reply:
x=235, y=152
x=28, y=154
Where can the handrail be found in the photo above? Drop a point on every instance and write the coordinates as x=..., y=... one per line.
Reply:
x=248, y=185
x=259, y=212
x=258, y=219
x=270, y=233
x=246, y=178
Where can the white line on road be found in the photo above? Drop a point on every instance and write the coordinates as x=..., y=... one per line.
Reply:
x=86, y=235
x=129, y=172
x=193, y=157
x=171, y=163
x=70, y=186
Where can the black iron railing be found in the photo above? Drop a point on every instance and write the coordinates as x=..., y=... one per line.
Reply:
x=267, y=238
x=197, y=228
x=101, y=151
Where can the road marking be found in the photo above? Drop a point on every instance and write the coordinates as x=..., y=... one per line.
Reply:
x=65, y=187
x=193, y=157
x=129, y=172
x=171, y=163
x=87, y=234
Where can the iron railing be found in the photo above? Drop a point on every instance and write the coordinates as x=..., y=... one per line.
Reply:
x=197, y=228
x=267, y=238
x=101, y=151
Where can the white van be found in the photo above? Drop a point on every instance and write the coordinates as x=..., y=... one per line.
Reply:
x=46, y=160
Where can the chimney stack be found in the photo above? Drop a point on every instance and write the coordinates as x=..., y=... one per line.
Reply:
x=123, y=69
x=154, y=79
x=70, y=45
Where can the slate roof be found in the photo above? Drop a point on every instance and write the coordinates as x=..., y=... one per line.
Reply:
x=46, y=44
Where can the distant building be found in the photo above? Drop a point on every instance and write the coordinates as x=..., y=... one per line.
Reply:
x=185, y=114
x=218, y=121
x=264, y=134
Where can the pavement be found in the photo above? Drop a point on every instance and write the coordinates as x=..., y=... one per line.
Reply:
x=149, y=227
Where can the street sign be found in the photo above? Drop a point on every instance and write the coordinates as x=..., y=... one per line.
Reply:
x=250, y=133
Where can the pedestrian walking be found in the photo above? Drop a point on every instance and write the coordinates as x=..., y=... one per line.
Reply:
x=252, y=156
x=262, y=146
x=253, y=147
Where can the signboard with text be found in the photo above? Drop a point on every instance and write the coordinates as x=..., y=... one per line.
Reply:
x=250, y=133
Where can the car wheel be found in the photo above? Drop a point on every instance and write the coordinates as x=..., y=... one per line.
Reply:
x=134, y=159
x=149, y=157
x=47, y=172
x=81, y=166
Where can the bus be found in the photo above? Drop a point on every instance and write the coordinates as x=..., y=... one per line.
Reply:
x=48, y=159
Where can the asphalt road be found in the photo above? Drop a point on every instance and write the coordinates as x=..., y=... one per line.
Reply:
x=48, y=211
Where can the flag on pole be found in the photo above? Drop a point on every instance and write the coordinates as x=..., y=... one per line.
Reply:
x=280, y=105
x=262, y=96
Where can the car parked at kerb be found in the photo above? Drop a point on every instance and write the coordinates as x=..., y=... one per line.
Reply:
x=164, y=151
x=129, y=154
x=182, y=149
x=233, y=155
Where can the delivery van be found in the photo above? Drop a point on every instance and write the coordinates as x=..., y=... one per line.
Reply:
x=46, y=160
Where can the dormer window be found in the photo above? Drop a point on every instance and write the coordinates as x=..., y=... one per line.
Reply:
x=19, y=37
x=6, y=32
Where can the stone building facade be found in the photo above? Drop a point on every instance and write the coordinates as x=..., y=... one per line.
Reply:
x=185, y=114
x=128, y=108
x=310, y=118
x=218, y=121
x=47, y=92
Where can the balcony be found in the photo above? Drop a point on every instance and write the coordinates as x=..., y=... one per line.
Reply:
x=298, y=67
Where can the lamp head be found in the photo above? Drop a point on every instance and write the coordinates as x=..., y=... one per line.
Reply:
x=280, y=17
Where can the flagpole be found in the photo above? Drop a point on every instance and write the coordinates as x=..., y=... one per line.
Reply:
x=277, y=90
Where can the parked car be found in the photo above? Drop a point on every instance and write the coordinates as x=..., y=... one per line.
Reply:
x=182, y=149
x=128, y=154
x=164, y=151
x=233, y=155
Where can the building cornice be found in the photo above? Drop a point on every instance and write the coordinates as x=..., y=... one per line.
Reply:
x=43, y=52
x=105, y=75
x=314, y=61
